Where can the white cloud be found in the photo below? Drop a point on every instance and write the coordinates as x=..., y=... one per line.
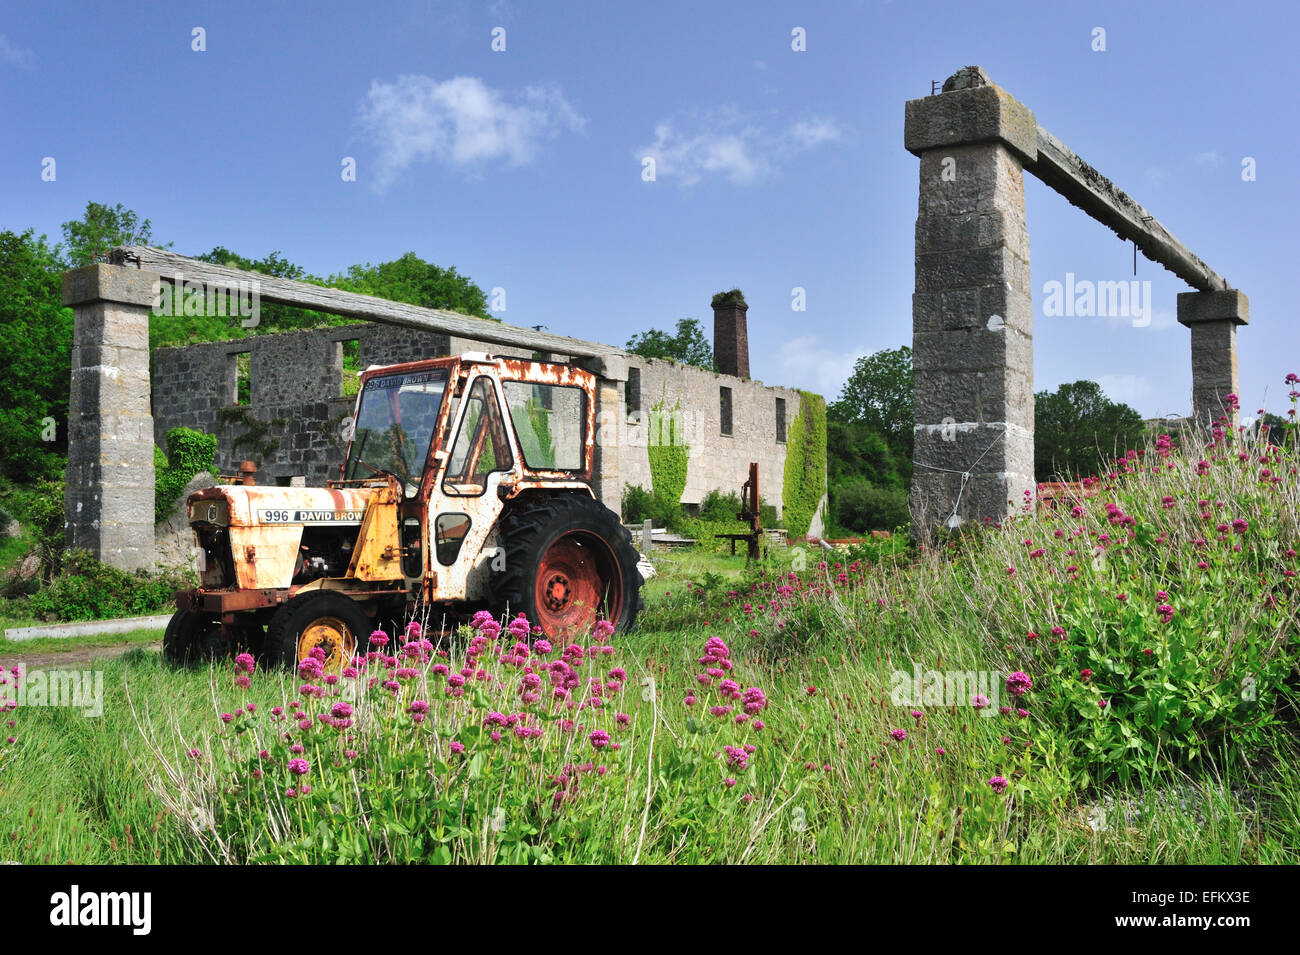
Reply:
x=15, y=56
x=805, y=362
x=727, y=144
x=460, y=121
x=1210, y=159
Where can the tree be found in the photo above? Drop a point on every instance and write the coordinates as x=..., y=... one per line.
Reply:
x=858, y=452
x=35, y=351
x=101, y=228
x=1077, y=427
x=690, y=346
x=412, y=280
x=878, y=394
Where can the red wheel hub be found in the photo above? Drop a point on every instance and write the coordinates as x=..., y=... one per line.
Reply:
x=577, y=581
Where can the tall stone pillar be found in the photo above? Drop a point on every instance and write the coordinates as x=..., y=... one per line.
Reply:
x=109, y=498
x=1213, y=318
x=972, y=310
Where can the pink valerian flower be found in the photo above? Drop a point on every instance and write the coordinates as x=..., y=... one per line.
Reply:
x=1166, y=613
x=603, y=629
x=979, y=701
x=1019, y=683
x=599, y=739
x=299, y=767
x=341, y=711
x=998, y=784
x=753, y=701
x=737, y=757
x=899, y=735
x=378, y=638
x=457, y=747
x=244, y=663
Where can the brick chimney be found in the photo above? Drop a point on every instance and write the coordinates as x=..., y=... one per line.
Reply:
x=730, y=335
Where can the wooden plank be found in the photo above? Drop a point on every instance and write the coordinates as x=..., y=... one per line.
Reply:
x=355, y=305
x=1059, y=167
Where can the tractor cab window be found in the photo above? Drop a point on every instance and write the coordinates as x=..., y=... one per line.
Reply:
x=481, y=445
x=550, y=422
x=395, y=421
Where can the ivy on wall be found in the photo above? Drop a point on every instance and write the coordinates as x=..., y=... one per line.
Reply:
x=668, y=452
x=805, y=464
x=255, y=433
x=188, y=453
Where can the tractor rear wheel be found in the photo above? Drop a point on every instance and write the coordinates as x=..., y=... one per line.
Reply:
x=193, y=638
x=321, y=618
x=568, y=563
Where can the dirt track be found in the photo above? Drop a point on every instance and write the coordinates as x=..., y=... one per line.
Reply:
x=74, y=655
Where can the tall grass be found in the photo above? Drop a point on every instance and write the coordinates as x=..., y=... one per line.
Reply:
x=1192, y=759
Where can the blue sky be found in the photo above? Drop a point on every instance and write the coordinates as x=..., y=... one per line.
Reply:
x=775, y=169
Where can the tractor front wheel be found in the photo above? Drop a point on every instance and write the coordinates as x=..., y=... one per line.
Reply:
x=321, y=618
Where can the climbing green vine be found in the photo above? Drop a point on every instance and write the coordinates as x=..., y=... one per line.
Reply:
x=188, y=453
x=805, y=464
x=255, y=433
x=669, y=454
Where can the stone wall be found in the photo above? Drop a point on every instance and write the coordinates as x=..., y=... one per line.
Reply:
x=717, y=461
x=296, y=391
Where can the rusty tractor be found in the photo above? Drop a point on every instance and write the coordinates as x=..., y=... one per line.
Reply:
x=466, y=485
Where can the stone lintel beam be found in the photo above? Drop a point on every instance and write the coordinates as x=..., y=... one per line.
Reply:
x=355, y=305
x=1083, y=186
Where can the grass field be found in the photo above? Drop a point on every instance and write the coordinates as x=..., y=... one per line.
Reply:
x=1112, y=683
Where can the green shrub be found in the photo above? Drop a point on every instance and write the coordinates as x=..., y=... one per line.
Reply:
x=860, y=506
x=188, y=453
x=90, y=590
x=640, y=505
x=718, y=506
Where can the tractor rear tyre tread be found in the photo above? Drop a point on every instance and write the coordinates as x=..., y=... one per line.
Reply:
x=192, y=638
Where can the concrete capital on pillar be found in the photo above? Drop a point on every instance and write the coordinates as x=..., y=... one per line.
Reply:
x=1228, y=305
x=110, y=283
x=970, y=110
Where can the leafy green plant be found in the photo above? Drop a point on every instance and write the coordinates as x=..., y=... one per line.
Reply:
x=805, y=464
x=189, y=452
x=87, y=589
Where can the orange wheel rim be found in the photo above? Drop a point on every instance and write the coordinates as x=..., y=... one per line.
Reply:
x=333, y=636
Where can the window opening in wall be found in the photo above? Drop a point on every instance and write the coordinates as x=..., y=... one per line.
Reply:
x=241, y=386
x=633, y=391
x=780, y=420
x=724, y=403
x=350, y=359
